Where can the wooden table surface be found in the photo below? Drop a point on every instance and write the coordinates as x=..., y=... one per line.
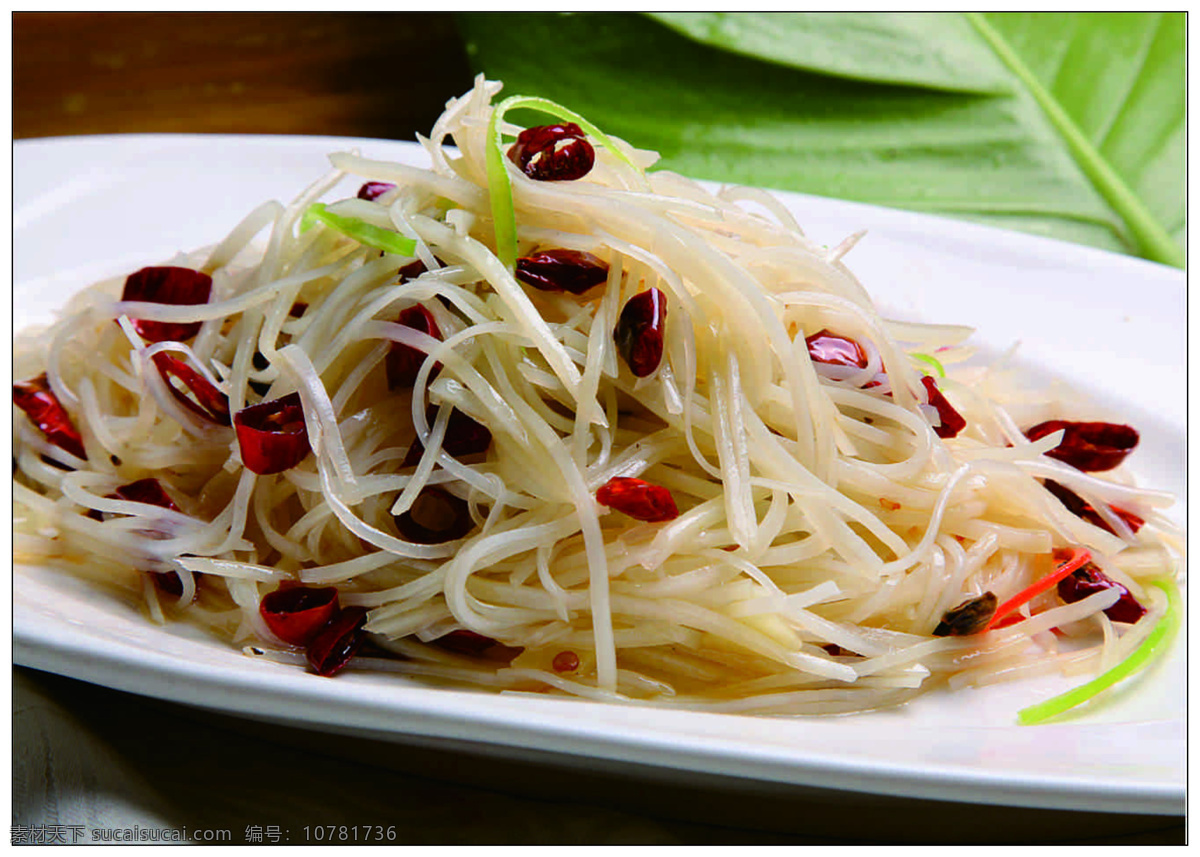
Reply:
x=83, y=752
x=365, y=75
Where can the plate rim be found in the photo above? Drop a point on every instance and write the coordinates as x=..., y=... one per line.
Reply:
x=33, y=648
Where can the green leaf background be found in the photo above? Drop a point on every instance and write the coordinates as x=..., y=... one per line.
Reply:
x=1068, y=125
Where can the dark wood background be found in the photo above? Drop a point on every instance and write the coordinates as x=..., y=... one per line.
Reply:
x=372, y=75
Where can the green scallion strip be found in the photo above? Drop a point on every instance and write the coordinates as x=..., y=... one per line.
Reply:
x=504, y=218
x=932, y=361
x=1152, y=647
x=364, y=233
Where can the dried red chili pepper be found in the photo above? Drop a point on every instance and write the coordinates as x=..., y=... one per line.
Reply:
x=970, y=617
x=148, y=490
x=1088, y=446
x=952, y=421
x=46, y=412
x=1089, y=580
x=167, y=285
x=271, y=435
x=639, y=331
x=573, y=271
x=464, y=642
x=371, y=191
x=464, y=436
x=553, y=153
x=333, y=647
x=210, y=403
x=473, y=645
x=1076, y=505
x=565, y=662
x=638, y=499
x=296, y=614
x=167, y=582
x=411, y=271
x=415, y=269
x=404, y=361
x=436, y=516
x=826, y=347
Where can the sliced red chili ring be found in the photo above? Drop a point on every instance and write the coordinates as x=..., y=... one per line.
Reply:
x=1089, y=580
x=44, y=410
x=826, y=347
x=371, y=191
x=471, y=644
x=553, y=152
x=436, y=516
x=148, y=491
x=167, y=582
x=638, y=499
x=210, y=403
x=403, y=361
x=1079, y=507
x=272, y=436
x=640, y=330
x=464, y=436
x=296, y=614
x=573, y=271
x=1089, y=446
x=339, y=641
x=167, y=285
x=952, y=421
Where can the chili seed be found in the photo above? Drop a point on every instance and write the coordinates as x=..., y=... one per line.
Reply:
x=565, y=662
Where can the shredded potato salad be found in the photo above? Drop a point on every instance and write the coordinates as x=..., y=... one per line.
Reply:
x=540, y=418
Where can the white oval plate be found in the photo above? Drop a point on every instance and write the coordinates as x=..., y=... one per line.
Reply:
x=90, y=207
